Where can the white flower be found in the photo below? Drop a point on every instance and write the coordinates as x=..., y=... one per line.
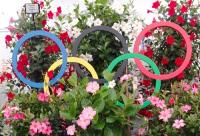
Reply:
x=74, y=22
x=90, y=21
x=118, y=7
x=87, y=57
x=116, y=26
x=111, y=84
x=91, y=1
x=76, y=32
x=97, y=22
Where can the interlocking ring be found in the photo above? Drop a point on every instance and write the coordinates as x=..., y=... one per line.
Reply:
x=24, y=39
x=143, y=58
x=185, y=62
x=77, y=42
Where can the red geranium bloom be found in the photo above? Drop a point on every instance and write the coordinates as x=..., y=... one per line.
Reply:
x=192, y=36
x=171, y=101
x=10, y=96
x=146, y=113
x=184, y=9
x=50, y=15
x=55, y=48
x=2, y=78
x=180, y=76
x=146, y=83
x=179, y=61
x=148, y=34
x=180, y=20
x=156, y=5
x=59, y=11
x=44, y=22
x=165, y=61
x=189, y=2
x=19, y=36
x=171, y=12
x=170, y=40
x=65, y=37
x=48, y=50
x=41, y=4
x=193, y=22
x=172, y=4
x=8, y=39
x=8, y=76
x=149, y=52
x=24, y=59
x=50, y=74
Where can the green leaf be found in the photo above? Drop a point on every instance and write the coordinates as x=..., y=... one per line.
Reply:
x=110, y=119
x=102, y=1
x=73, y=80
x=108, y=132
x=99, y=105
x=108, y=76
x=112, y=94
x=99, y=126
x=131, y=110
x=85, y=102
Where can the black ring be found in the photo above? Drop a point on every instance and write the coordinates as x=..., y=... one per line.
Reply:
x=77, y=41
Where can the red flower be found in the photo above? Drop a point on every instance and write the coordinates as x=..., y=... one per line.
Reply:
x=8, y=76
x=149, y=92
x=189, y=2
x=64, y=36
x=171, y=12
x=180, y=76
x=184, y=9
x=180, y=20
x=189, y=64
x=193, y=22
x=44, y=22
x=146, y=113
x=149, y=52
x=8, y=39
x=41, y=4
x=146, y=83
x=149, y=11
x=50, y=15
x=24, y=59
x=19, y=36
x=59, y=11
x=2, y=78
x=170, y=40
x=55, y=48
x=165, y=61
x=179, y=61
x=50, y=74
x=192, y=36
x=156, y=5
x=183, y=43
x=10, y=96
x=48, y=49
x=171, y=101
x=148, y=34
x=172, y=4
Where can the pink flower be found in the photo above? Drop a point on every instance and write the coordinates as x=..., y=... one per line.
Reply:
x=71, y=130
x=34, y=127
x=43, y=97
x=186, y=108
x=141, y=131
x=8, y=111
x=83, y=123
x=186, y=86
x=153, y=100
x=92, y=87
x=194, y=88
x=178, y=124
x=165, y=115
x=11, y=28
x=59, y=92
x=19, y=116
x=125, y=78
x=88, y=113
x=160, y=104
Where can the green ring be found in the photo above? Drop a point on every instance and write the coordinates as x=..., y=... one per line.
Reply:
x=143, y=58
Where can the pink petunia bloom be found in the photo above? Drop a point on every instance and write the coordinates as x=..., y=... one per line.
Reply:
x=92, y=87
x=153, y=100
x=43, y=97
x=165, y=115
x=186, y=86
x=178, y=124
x=186, y=108
x=19, y=116
x=160, y=104
x=83, y=123
x=71, y=130
x=125, y=78
x=88, y=113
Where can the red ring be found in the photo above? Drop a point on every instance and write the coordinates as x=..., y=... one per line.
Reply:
x=185, y=62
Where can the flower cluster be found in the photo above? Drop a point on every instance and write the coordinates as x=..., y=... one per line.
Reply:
x=12, y=112
x=92, y=87
x=40, y=127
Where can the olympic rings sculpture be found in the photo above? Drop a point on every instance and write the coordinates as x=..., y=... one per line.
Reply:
x=137, y=57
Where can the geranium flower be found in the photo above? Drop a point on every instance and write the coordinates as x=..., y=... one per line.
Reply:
x=50, y=74
x=8, y=39
x=19, y=116
x=50, y=15
x=44, y=22
x=92, y=87
x=193, y=22
x=179, y=61
x=186, y=108
x=171, y=101
x=146, y=113
x=10, y=96
x=59, y=11
x=180, y=76
x=172, y=4
x=178, y=124
x=192, y=36
x=43, y=97
x=125, y=77
x=156, y=5
x=171, y=12
x=160, y=104
x=165, y=61
x=154, y=100
x=184, y=9
x=194, y=88
x=65, y=37
x=170, y=40
x=180, y=19
x=165, y=115
x=71, y=130
x=146, y=83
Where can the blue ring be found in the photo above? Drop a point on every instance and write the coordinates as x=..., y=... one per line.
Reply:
x=20, y=43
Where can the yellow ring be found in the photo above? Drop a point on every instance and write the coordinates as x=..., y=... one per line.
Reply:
x=71, y=60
